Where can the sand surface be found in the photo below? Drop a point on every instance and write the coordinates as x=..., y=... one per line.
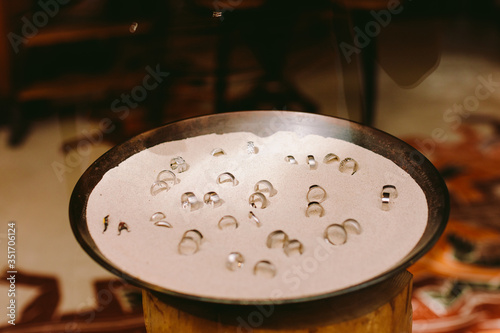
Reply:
x=150, y=252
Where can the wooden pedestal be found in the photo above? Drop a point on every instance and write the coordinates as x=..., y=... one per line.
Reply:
x=384, y=307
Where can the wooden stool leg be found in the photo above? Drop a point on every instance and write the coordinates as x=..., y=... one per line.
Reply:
x=394, y=315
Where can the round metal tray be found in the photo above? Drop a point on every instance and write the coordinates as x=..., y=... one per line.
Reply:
x=265, y=123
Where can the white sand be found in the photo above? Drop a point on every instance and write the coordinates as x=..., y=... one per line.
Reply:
x=149, y=252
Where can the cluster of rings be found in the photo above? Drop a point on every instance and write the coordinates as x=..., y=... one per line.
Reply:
x=178, y=164
x=190, y=202
x=191, y=241
x=158, y=219
x=336, y=234
x=264, y=268
x=279, y=239
x=348, y=164
x=258, y=199
x=164, y=181
x=315, y=196
x=229, y=222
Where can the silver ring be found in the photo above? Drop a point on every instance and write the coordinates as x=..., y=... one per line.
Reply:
x=195, y=234
x=330, y=158
x=251, y=149
x=212, y=199
x=188, y=246
x=158, y=187
x=227, y=221
x=293, y=246
x=388, y=192
x=315, y=208
x=234, y=261
x=257, y=200
x=178, y=163
x=344, y=165
x=352, y=226
x=226, y=177
x=189, y=201
x=264, y=268
x=276, y=239
x=190, y=242
x=254, y=218
x=290, y=159
x=218, y=152
x=163, y=224
x=312, y=162
x=316, y=193
x=158, y=216
x=168, y=177
x=335, y=234
x=265, y=186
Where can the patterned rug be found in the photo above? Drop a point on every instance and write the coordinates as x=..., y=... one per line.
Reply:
x=456, y=285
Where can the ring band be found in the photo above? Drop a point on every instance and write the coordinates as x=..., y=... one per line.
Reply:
x=312, y=162
x=264, y=186
x=254, y=218
x=293, y=246
x=189, y=201
x=194, y=234
x=226, y=177
x=316, y=193
x=315, y=208
x=212, y=199
x=352, y=226
x=227, y=221
x=159, y=186
x=343, y=167
x=330, y=158
x=163, y=224
x=335, y=234
x=190, y=242
x=251, y=149
x=265, y=268
x=179, y=164
x=167, y=176
x=218, y=152
x=290, y=159
x=158, y=216
x=257, y=200
x=188, y=246
x=277, y=239
x=388, y=192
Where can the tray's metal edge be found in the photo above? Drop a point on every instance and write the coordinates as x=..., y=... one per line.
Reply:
x=347, y=131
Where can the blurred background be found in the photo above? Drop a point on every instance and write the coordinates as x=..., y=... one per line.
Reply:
x=80, y=76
